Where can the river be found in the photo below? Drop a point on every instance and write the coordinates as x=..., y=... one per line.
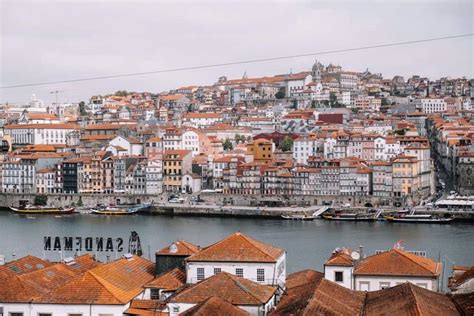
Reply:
x=308, y=244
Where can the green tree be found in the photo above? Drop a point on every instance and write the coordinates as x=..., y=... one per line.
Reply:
x=41, y=200
x=295, y=105
x=313, y=104
x=80, y=203
x=227, y=145
x=239, y=138
x=190, y=108
x=281, y=93
x=286, y=144
x=333, y=100
x=385, y=101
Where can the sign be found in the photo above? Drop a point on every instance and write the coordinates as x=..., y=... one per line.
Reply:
x=92, y=244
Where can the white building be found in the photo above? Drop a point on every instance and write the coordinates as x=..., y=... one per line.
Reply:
x=254, y=298
x=40, y=134
x=382, y=270
x=432, y=105
x=200, y=120
x=154, y=177
x=132, y=146
x=242, y=256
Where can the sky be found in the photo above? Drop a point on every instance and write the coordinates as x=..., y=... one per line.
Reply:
x=45, y=41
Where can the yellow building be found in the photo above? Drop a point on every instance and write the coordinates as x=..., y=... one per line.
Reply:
x=176, y=163
x=405, y=175
x=262, y=150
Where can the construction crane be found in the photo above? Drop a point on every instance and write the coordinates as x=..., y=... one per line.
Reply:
x=56, y=93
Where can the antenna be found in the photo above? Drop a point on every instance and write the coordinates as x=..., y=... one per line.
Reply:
x=56, y=94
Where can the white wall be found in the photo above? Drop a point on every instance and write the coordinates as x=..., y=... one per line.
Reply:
x=250, y=270
x=374, y=282
x=329, y=274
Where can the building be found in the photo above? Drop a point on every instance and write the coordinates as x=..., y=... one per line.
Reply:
x=262, y=150
x=252, y=297
x=39, y=134
x=176, y=163
x=242, y=256
x=382, y=270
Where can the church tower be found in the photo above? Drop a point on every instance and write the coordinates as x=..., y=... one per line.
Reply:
x=316, y=72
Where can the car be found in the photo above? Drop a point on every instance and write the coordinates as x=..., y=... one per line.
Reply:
x=174, y=200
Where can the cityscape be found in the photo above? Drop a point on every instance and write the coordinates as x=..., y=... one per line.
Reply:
x=333, y=187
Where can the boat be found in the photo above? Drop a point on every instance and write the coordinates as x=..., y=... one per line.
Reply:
x=419, y=218
x=357, y=217
x=299, y=217
x=31, y=209
x=111, y=210
x=405, y=216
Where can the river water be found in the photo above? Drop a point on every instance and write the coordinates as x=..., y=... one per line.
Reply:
x=308, y=244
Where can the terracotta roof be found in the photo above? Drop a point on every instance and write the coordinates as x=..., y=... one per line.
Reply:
x=456, y=281
x=169, y=281
x=202, y=115
x=144, y=312
x=25, y=265
x=84, y=263
x=408, y=299
x=114, y=283
x=319, y=297
x=238, y=248
x=154, y=139
x=302, y=277
x=179, y=248
x=214, y=306
x=464, y=303
x=398, y=262
x=340, y=258
x=235, y=290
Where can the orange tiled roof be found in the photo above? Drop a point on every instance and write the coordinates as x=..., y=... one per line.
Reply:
x=183, y=248
x=319, y=296
x=114, y=283
x=408, y=299
x=214, y=305
x=235, y=290
x=238, y=248
x=397, y=262
x=340, y=258
x=169, y=281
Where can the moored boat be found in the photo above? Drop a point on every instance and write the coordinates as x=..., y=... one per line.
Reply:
x=360, y=217
x=299, y=217
x=419, y=218
x=42, y=210
x=110, y=210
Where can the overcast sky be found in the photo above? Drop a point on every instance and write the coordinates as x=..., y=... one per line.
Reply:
x=59, y=40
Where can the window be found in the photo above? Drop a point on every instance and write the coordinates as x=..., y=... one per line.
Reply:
x=260, y=275
x=176, y=309
x=74, y=314
x=239, y=272
x=45, y=314
x=200, y=274
x=338, y=276
x=364, y=286
x=15, y=314
x=384, y=285
x=155, y=294
x=217, y=270
x=423, y=285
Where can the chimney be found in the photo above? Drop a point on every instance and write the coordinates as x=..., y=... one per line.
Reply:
x=361, y=252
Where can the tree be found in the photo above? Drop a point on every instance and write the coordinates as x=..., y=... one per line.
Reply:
x=239, y=138
x=333, y=100
x=295, y=105
x=228, y=145
x=82, y=108
x=41, y=200
x=286, y=144
x=281, y=93
x=313, y=104
x=385, y=102
x=190, y=108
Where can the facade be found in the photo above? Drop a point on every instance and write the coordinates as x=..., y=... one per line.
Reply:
x=39, y=134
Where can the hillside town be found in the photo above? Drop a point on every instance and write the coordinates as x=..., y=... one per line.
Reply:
x=325, y=131
x=237, y=275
